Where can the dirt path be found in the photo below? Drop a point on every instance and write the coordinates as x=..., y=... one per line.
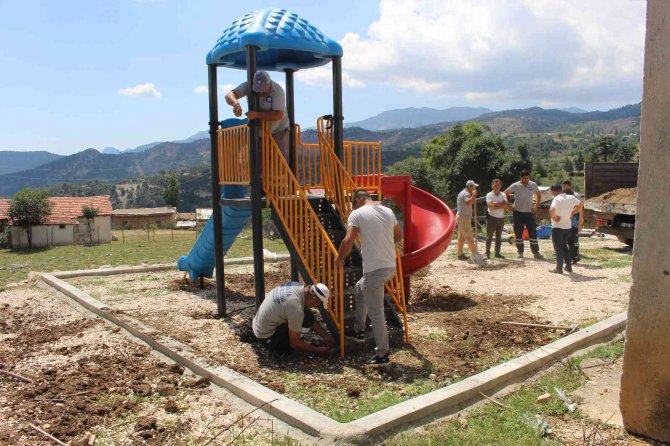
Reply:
x=590, y=293
x=89, y=379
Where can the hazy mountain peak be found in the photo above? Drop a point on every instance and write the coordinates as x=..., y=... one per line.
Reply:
x=417, y=117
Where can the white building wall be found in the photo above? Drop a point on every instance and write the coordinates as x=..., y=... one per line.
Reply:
x=59, y=235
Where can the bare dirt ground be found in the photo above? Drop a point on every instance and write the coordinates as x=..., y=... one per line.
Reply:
x=455, y=314
x=89, y=380
x=622, y=196
x=590, y=293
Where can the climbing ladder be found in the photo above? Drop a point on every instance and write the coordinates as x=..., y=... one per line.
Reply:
x=311, y=225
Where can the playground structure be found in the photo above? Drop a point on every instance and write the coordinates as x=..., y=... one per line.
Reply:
x=310, y=193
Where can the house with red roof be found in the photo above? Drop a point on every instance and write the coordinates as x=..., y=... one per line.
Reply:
x=66, y=224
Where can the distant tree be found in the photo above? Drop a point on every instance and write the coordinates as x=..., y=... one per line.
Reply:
x=89, y=213
x=418, y=169
x=625, y=152
x=171, y=190
x=539, y=170
x=467, y=152
x=604, y=148
x=28, y=208
x=568, y=165
x=579, y=162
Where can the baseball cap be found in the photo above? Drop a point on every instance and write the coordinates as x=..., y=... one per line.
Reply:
x=262, y=82
x=321, y=291
x=471, y=183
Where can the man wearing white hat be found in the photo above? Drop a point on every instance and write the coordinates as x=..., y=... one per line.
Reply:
x=272, y=108
x=464, y=203
x=285, y=312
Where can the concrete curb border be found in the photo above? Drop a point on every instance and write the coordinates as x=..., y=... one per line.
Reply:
x=499, y=380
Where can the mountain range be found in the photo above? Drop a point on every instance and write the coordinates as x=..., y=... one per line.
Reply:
x=15, y=161
x=192, y=152
x=406, y=118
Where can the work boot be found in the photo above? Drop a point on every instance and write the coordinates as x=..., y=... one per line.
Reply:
x=499, y=256
x=556, y=271
x=538, y=256
x=463, y=257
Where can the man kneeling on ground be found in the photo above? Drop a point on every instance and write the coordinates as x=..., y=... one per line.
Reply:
x=285, y=311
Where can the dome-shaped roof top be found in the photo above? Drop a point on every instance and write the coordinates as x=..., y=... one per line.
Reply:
x=284, y=41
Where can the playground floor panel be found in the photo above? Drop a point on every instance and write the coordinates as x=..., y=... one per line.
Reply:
x=452, y=336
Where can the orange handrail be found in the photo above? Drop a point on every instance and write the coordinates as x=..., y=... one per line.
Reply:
x=233, y=147
x=340, y=187
x=309, y=165
x=363, y=160
x=307, y=234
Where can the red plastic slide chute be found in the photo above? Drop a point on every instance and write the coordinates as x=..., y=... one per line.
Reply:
x=428, y=223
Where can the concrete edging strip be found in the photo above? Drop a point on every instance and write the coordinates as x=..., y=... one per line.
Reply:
x=270, y=258
x=317, y=424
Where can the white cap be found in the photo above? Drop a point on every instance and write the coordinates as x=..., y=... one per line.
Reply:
x=321, y=291
x=471, y=183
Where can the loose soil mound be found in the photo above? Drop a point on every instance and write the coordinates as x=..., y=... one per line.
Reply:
x=620, y=196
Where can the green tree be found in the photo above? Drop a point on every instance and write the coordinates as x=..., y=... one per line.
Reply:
x=604, y=148
x=89, y=213
x=625, y=153
x=579, y=162
x=568, y=165
x=470, y=151
x=171, y=190
x=539, y=170
x=417, y=168
x=28, y=208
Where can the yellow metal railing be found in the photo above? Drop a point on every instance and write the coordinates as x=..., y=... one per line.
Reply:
x=340, y=187
x=233, y=146
x=303, y=227
x=363, y=160
x=309, y=165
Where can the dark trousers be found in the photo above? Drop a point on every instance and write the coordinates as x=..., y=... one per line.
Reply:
x=494, y=225
x=521, y=220
x=560, y=238
x=279, y=341
x=573, y=243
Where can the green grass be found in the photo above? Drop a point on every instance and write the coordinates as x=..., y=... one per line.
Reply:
x=339, y=406
x=606, y=258
x=493, y=424
x=15, y=265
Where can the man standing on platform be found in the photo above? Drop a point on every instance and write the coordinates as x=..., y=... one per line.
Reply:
x=272, y=107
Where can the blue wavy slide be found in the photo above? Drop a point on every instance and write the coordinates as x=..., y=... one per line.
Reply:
x=200, y=261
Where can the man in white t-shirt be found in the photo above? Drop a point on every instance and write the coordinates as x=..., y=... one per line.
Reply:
x=496, y=202
x=563, y=207
x=283, y=314
x=379, y=232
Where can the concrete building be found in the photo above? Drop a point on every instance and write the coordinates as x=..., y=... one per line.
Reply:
x=65, y=225
x=139, y=218
x=645, y=383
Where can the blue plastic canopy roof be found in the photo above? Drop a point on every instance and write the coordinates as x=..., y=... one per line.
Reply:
x=284, y=41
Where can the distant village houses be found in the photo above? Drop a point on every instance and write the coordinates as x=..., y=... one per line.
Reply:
x=66, y=224
x=141, y=218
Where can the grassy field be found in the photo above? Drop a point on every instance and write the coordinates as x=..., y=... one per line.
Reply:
x=493, y=424
x=131, y=248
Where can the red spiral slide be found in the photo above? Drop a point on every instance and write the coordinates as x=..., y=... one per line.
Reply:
x=429, y=223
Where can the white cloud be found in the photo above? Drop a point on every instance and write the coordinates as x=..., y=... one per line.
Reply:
x=225, y=88
x=147, y=90
x=542, y=50
x=323, y=77
x=200, y=89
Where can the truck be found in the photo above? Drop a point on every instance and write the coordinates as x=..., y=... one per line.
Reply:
x=611, y=196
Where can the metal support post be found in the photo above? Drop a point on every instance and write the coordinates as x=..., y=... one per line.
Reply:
x=338, y=118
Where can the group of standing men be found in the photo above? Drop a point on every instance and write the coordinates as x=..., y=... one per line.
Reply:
x=527, y=198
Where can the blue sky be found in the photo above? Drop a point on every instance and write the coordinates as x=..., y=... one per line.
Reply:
x=65, y=64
